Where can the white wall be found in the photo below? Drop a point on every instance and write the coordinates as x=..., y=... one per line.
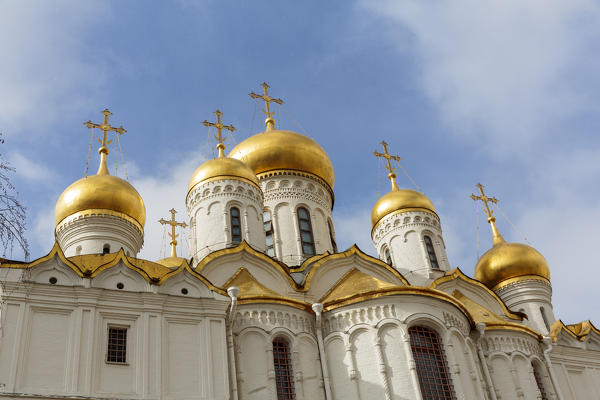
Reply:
x=54, y=342
x=208, y=207
x=403, y=233
x=283, y=194
x=89, y=233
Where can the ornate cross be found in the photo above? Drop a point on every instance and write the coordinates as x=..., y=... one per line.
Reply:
x=267, y=99
x=485, y=199
x=103, y=150
x=219, y=136
x=172, y=234
x=497, y=237
x=105, y=127
x=388, y=157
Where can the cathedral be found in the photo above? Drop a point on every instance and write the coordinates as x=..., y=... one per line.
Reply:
x=266, y=307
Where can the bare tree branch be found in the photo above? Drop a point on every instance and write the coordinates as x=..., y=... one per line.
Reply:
x=12, y=212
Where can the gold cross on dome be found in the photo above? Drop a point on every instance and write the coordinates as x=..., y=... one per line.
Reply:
x=485, y=200
x=497, y=237
x=172, y=234
x=105, y=127
x=103, y=150
x=388, y=158
x=267, y=99
x=219, y=136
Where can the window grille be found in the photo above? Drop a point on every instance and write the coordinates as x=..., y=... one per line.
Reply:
x=431, y=252
x=432, y=368
x=117, y=345
x=306, y=233
x=269, y=233
x=236, y=225
x=538, y=380
x=283, y=370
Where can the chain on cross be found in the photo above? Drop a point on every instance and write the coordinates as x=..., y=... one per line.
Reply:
x=270, y=122
x=388, y=158
x=219, y=136
x=172, y=234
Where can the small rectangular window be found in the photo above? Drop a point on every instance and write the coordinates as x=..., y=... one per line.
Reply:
x=117, y=345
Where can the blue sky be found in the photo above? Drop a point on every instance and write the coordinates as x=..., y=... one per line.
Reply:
x=504, y=93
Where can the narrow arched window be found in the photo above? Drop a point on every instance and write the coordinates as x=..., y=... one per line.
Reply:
x=236, y=225
x=332, y=237
x=268, y=225
x=538, y=381
x=387, y=256
x=106, y=249
x=284, y=378
x=430, y=360
x=545, y=318
x=306, y=233
x=431, y=252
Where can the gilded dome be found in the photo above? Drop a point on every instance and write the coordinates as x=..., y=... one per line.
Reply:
x=284, y=150
x=222, y=167
x=102, y=192
x=506, y=261
x=399, y=199
x=172, y=262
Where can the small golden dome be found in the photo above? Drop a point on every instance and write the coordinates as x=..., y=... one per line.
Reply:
x=399, y=199
x=284, y=150
x=222, y=167
x=172, y=262
x=505, y=261
x=102, y=192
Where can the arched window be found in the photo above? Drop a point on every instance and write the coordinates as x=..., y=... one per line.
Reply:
x=333, y=242
x=431, y=252
x=387, y=256
x=236, y=225
x=284, y=378
x=432, y=367
x=106, y=249
x=268, y=225
x=538, y=381
x=306, y=233
x=545, y=318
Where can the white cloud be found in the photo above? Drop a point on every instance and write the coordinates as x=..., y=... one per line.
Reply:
x=47, y=66
x=31, y=170
x=502, y=73
x=352, y=226
x=161, y=193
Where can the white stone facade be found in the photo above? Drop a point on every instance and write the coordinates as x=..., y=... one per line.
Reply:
x=534, y=298
x=284, y=192
x=403, y=234
x=209, y=207
x=93, y=233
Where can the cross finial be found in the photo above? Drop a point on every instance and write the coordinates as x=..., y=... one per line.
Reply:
x=172, y=234
x=270, y=122
x=106, y=128
x=388, y=158
x=488, y=211
x=219, y=136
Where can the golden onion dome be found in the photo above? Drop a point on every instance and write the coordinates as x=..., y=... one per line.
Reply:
x=284, y=150
x=103, y=194
x=222, y=167
x=509, y=262
x=399, y=199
